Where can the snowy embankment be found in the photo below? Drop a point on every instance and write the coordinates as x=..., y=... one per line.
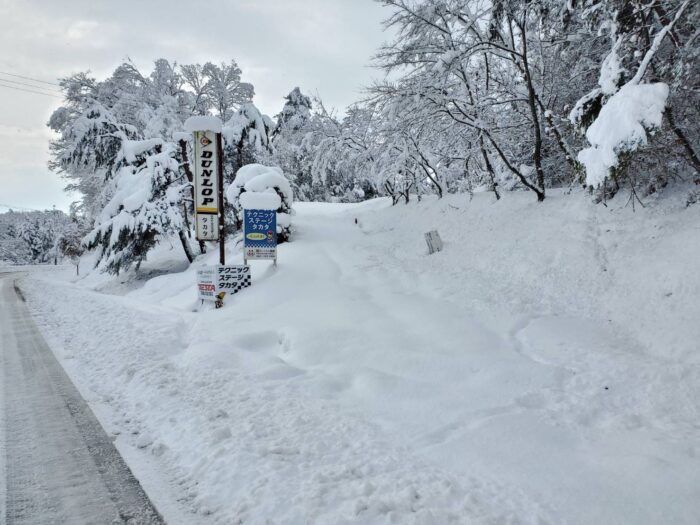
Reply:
x=543, y=368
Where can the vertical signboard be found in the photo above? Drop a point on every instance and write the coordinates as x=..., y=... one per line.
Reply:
x=260, y=234
x=206, y=187
x=206, y=283
x=432, y=238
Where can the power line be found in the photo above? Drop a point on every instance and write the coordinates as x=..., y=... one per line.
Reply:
x=51, y=90
x=29, y=78
x=29, y=91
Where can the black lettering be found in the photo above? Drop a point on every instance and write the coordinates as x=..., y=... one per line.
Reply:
x=207, y=182
x=207, y=173
x=206, y=163
x=207, y=154
x=207, y=201
x=207, y=191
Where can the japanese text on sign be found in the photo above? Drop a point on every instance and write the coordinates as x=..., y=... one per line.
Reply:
x=212, y=280
x=206, y=159
x=260, y=234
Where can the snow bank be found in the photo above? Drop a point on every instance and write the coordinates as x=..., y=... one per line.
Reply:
x=367, y=382
x=622, y=126
x=203, y=123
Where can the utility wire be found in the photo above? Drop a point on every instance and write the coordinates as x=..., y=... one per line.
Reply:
x=50, y=90
x=29, y=91
x=29, y=78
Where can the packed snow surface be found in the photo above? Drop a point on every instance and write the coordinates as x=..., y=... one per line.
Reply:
x=542, y=368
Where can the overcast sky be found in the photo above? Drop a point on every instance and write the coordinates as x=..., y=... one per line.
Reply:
x=322, y=46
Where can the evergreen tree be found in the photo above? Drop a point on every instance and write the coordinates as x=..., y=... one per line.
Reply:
x=145, y=206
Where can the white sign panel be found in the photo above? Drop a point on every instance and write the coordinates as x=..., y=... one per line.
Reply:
x=206, y=283
x=432, y=238
x=261, y=253
x=207, y=226
x=212, y=280
x=206, y=160
x=232, y=279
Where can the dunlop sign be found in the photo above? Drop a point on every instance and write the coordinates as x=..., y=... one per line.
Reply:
x=206, y=185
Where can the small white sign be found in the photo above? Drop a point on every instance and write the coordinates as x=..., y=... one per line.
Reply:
x=207, y=226
x=206, y=283
x=434, y=241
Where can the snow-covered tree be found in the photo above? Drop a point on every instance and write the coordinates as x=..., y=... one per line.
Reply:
x=120, y=148
x=39, y=232
x=69, y=240
x=256, y=186
x=86, y=151
x=289, y=150
x=295, y=113
x=645, y=100
x=217, y=88
x=146, y=205
x=246, y=138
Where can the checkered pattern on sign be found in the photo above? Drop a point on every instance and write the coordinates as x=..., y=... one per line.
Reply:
x=235, y=286
x=245, y=283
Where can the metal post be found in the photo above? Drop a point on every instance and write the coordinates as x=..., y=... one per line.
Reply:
x=220, y=178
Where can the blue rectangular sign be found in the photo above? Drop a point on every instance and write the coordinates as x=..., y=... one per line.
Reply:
x=260, y=234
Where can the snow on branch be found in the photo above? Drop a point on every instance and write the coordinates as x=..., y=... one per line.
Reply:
x=627, y=116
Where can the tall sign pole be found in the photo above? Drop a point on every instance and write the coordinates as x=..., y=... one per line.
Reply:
x=220, y=178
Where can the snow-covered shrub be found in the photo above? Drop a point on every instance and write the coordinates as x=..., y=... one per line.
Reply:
x=263, y=187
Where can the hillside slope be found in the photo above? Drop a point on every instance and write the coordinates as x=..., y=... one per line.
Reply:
x=543, y=367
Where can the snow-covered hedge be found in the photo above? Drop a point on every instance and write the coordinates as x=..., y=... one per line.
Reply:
x=263, y=187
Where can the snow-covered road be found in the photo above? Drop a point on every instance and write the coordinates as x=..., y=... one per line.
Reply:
x=57, y=465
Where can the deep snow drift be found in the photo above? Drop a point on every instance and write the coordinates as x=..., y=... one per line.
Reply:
x=543, y=368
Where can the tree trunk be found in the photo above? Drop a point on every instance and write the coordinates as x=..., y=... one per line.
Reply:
x=689, y=151
x=186, y=245
x=489, y=168
x=537, y=153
